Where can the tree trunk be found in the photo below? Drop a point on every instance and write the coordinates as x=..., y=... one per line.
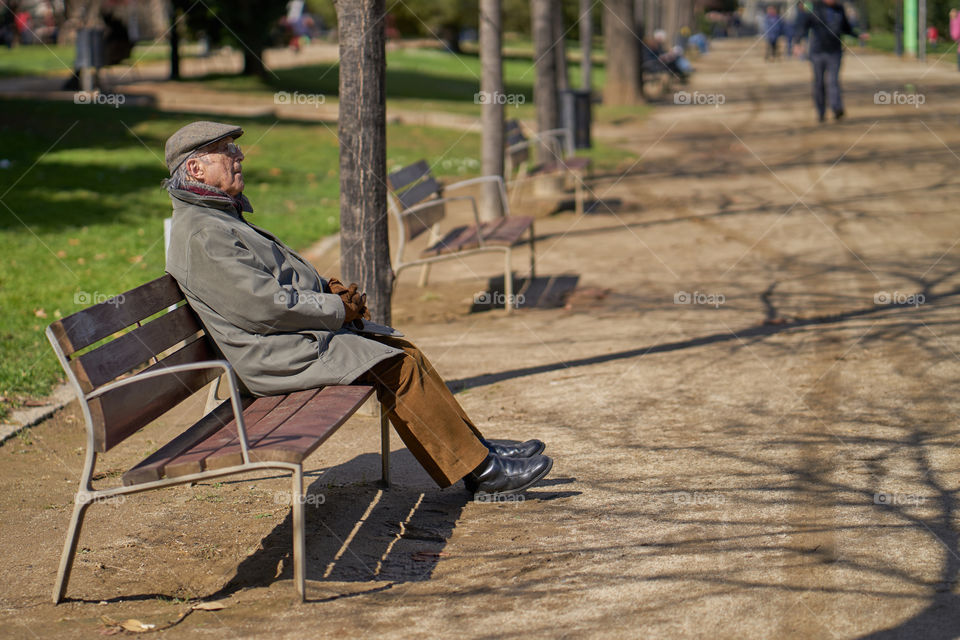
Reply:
x=623, y=85
x=491, y=116
x=253, y=63
x=174, y=42
x=364, y=243
x=545, y=85
x=560, y=47
x=586, y=45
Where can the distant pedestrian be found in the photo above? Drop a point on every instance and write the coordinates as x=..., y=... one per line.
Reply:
x=798, y=22
x=772, y=30
x=955, y=31
x=826, y=23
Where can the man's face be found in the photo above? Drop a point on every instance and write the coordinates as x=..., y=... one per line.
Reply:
x=219, y=165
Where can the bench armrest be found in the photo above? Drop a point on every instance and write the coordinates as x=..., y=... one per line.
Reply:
x=480, y=180
x=204, y=364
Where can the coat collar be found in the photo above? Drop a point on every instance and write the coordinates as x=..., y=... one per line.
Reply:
x=215, y=200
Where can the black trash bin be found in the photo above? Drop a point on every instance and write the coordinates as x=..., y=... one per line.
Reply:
x=89, y=49
x=575, y=106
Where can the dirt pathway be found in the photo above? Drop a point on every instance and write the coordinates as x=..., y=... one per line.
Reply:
x=750, y=440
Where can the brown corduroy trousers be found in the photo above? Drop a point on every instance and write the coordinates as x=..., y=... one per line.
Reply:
x=430, y=421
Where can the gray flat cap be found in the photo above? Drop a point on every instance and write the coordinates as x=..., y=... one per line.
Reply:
x=193, y=136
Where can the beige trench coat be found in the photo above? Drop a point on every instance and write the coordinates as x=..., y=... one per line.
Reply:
x=264, y=305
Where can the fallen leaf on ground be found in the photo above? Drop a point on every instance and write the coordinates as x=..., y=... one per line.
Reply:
x=136, y=626
x=209, y=606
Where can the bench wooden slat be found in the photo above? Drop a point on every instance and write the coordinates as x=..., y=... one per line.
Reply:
x=406, y=176
x=134, y=348
x=416, y=222
x=192, y=460
x=85, y=327
x=568, y=164
x=450, y=241
x=463, y=238
x=509, y=231
x=151, y=468
x=298, y=437
x=419, y=192
x=225, y=450
x=120, y=412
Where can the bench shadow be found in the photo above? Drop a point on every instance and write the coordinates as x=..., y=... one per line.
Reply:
x=358, y=532
x=541, y=292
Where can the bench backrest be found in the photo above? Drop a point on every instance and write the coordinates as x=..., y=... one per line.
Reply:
x=164, y=331
x=413, y=185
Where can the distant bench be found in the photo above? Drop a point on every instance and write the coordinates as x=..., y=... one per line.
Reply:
x=125, y=381
x=418, y=203
x=561, y=162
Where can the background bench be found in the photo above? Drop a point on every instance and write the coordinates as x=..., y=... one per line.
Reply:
x=418, y=203
x=124, y=381
x=560, y=162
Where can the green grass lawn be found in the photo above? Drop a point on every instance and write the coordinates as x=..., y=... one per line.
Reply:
x=57, y=59
x=417, y=79
x=886, y=42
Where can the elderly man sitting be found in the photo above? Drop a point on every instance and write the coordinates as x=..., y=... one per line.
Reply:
x=284, y=328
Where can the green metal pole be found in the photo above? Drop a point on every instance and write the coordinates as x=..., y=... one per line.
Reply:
x=910, y=26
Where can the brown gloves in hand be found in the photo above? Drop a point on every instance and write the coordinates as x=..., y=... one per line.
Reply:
x=354, y=302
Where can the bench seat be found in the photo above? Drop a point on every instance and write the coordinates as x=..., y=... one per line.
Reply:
x=285, y=428
x=502, y=232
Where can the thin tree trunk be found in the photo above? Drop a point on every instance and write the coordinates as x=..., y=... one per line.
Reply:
x=623, y=55
x=364, y=244
x=174, y=42
x=492, y=108
x=586, y=45
x=545, y=85
x=560, y=47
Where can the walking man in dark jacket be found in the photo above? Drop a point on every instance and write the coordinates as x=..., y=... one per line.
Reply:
x=827, y=23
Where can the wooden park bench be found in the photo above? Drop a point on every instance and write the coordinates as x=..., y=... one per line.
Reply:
x=561, y=161
x=418, y=203
x=136, y=356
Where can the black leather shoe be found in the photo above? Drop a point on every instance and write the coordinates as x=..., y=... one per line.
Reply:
x=496, y=475
x=508, y=449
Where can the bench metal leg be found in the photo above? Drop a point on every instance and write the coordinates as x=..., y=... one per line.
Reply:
x=508, y=280
x=384, y=448
x=299, y=549
x=69, y=550
x=424, y=275
x=578, y=194
x=533, y=260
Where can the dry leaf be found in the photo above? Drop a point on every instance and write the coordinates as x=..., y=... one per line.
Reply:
x=136, y=626
x=40, y=313
x=209, y=606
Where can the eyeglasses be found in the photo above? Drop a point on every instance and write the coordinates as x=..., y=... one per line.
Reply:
x=231, y=149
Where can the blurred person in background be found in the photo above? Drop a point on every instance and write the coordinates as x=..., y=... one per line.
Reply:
x=955, y=31
x=826, y=24
x=772, y=30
